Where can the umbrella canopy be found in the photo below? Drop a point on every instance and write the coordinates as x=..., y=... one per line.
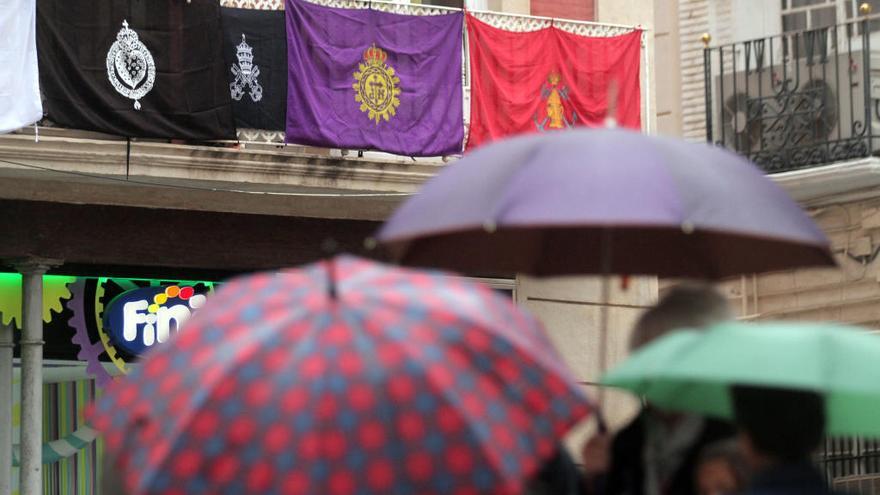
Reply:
x=343, y=377
x=694, y=371
x=544, y=204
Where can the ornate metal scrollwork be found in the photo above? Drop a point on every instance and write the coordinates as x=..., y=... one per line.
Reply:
x=808, y=107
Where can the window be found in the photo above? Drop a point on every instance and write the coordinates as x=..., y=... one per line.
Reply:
x=794, y=22
x=852, y=12
x=805, y=3
x=440, y=3
x=798, y=15
x=801, y=15
x=445, y=3
x=503, y=286
x=459, y=4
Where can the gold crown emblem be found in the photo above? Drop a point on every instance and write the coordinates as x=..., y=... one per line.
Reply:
x=375, y=56
x=554, y=78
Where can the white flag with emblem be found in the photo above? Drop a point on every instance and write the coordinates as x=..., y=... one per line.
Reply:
x=19, y=86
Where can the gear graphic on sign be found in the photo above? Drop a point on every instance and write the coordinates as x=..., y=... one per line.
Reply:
x=101, y=300
x=88, y=351
x=54, y=292
x=89, y=297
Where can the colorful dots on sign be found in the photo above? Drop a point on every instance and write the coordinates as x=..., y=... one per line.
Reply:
x=140, y=318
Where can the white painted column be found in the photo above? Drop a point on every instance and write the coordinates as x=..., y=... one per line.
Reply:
x=5, y=408
x=31, y=466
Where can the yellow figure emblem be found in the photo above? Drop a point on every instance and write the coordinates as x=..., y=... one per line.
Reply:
x=556, y=96
x=555, y=110
x=376, y=85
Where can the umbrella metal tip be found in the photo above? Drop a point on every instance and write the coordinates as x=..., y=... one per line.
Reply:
x=370, y=243
x=490, y=226
x=687, y=227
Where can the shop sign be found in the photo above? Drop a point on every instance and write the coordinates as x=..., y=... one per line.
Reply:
x=140, y=318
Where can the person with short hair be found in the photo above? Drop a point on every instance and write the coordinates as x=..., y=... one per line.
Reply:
x=779, y=431
x=656, y=454
x=688, y=305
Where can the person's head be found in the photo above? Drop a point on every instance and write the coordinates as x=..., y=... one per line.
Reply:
x=778, y=425
x=721, y=469
x=557, y=476
x=689, y=305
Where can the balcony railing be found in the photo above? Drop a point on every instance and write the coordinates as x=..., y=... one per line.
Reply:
x=845, y=458
x=796, y=100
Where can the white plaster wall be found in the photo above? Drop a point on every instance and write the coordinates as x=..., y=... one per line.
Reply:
x=667, y=80
x=569, y=308
x=636, y=13
x=508, y=6
x=755, y=19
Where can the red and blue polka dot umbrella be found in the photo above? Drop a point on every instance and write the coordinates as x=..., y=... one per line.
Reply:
x=383, y=381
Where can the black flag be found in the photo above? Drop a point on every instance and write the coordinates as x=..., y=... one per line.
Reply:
x=255, y=47
x=145, y=68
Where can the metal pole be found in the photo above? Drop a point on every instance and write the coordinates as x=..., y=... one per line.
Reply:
x=707, y=83
x=5, y=409
x=865, y=10
x=605, y=266
x=72, y=373
x=31, y=467
x=31, y=473
x=647, y=91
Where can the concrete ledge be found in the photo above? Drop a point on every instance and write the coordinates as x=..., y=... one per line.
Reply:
x=276, y=167
x=833, y=183
x=73, y=167
x=57, y=188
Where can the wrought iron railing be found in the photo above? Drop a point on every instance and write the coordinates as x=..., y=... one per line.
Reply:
x=846, y=458
x=796, y=100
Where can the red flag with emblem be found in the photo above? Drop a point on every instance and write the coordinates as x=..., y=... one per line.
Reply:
x=548, y=80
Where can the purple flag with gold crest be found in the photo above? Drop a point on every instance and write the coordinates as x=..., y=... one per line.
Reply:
x=364, y=79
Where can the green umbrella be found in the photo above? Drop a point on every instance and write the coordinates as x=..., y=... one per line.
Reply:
x=693, y=371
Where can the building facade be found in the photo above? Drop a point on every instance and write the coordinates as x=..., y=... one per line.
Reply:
x=820, y=148
x=792, y=85
x=96, y=208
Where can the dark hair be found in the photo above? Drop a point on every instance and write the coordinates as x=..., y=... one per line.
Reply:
x=785, y=424
x=557, y=476
x=727, y=450
x=687, y=305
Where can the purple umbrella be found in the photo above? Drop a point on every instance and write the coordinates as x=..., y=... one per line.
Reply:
x=604, y=201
